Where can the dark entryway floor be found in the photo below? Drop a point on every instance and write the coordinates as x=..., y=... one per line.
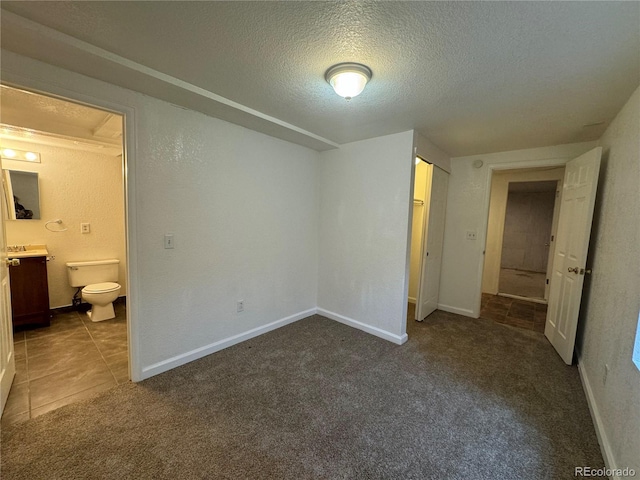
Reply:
x=517, y=313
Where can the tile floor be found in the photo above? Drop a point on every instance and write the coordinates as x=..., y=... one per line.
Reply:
x=508, y=311
x=517, y=313
x=69, y=361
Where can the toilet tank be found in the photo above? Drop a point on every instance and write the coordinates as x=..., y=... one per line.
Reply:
x=82, y=274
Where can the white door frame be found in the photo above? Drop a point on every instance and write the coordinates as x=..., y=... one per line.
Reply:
x=7, y=348
x=48, y=87
x=547, y=162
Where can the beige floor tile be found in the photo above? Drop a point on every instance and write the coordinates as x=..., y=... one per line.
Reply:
x=72, y=358
x=18, y=401
x=76, y=397
x=63, y=341
x=59, y=323
x=68, y=382
x=21, y=371
x=65, y=363
x=13, y=419
x=19, y=337
x=20, y=349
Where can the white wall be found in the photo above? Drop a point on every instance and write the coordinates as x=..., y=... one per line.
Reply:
x=611, y=300
x=421, y=182
x=77, y=187
x=364, y=225
x=467, y=210
x=496, y=216
x=244, y=210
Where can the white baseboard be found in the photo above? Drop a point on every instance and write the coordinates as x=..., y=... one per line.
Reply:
x=605, y=446
x=459, y=311
x=187, y=357
x=412, y=300
x=378, y=332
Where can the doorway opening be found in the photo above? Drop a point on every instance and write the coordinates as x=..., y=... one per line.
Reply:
x=526, y=239
x=523, y=216
x=73, y=347
x=569, y=249
x=427, y=238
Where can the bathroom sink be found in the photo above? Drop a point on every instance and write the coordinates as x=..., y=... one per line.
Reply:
x=23, y=251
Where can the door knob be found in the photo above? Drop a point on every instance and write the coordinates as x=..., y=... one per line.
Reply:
x=574, y=269
x=13, y=262
x=583, y=271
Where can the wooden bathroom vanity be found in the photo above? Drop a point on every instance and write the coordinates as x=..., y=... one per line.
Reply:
x=29, y=288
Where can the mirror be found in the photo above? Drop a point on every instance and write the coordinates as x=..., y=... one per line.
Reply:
x=23, y=195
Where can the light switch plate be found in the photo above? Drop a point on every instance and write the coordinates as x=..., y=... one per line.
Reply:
x=168, y=240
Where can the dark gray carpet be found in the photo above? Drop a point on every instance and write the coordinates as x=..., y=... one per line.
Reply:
x=463, y=399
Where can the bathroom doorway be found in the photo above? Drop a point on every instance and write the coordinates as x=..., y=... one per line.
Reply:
x=76, y=153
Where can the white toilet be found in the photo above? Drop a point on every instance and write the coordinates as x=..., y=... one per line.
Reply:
x=100, y=288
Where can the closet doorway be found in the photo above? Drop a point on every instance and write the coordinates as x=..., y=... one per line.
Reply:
x=427, y=237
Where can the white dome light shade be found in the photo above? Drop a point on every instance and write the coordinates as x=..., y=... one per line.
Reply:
x=348, y=79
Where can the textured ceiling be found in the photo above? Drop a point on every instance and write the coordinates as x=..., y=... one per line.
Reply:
x=33, y=114
x=473, y=77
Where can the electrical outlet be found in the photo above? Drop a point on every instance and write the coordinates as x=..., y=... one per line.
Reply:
x=472, y=235
x=240, y=306
x=85, y=228
x=606, y=374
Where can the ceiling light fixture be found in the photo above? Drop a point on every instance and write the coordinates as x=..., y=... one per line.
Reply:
x=15, y=154
x=348, y=79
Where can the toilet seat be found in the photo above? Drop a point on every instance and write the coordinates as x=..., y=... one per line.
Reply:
x=104, y=287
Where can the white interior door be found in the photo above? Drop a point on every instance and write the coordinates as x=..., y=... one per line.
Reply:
x=433, y=241
x=570, y=254
x=7, y=359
